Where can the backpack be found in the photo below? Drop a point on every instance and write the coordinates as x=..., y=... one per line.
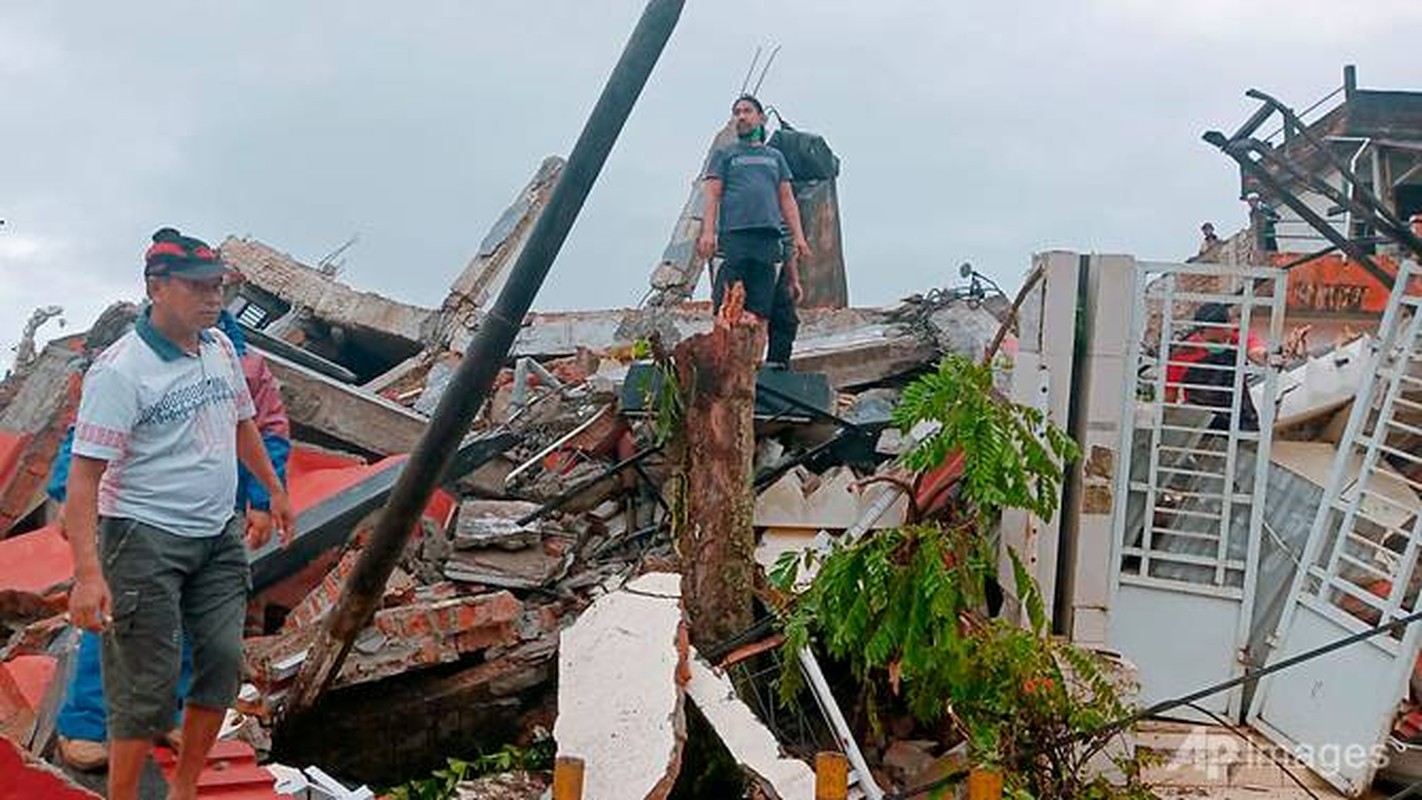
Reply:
x=807, y=154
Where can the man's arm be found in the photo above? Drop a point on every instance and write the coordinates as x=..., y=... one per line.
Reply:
x=706, y=243
x=790, y=210
x=89, y=600
x=253, y=455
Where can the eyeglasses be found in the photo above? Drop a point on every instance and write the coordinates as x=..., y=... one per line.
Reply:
x=199, y=287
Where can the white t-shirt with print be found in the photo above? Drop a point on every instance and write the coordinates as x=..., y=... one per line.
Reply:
x=166, y=423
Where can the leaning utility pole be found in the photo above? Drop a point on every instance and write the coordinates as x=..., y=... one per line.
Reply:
x=472, y=380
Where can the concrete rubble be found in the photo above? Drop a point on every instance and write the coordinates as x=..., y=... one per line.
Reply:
x=749, y=742
x=528, y=541
x=619, y=697
x=539, y=590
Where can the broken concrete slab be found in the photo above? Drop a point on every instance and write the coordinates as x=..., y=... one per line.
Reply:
x=620, y=705
x=487, y=272
x=31, y=396
x=864, y=355
x=776, y=542
x=333, y=302
x=1320, y=386
x=801, y=499
x=1389, y=503
x=675, y=277
x=822, y=275
x=753, y=746
x=344, y=413
x=528, y=568
x=474, y=533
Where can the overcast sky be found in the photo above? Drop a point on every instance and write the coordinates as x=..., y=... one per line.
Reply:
x=968, y=131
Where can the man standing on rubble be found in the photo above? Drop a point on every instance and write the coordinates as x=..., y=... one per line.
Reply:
x=748, y=199
x=164, y=418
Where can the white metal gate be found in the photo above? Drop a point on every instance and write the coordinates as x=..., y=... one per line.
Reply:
x=1362, y=570
x=1187, y=538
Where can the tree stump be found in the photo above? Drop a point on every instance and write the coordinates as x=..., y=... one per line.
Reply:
x=713, y=448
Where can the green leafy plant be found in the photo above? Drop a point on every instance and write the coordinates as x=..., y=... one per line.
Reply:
x=906, y=608
x=662, y=399
x=1012, y=456
x=444, y=783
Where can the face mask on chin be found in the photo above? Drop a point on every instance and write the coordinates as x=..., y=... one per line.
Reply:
x=756, y=134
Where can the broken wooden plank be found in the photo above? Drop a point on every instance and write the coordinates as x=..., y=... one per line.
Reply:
x=328, y=299
x=747, y=739
x=620, y=707
x=363, y=420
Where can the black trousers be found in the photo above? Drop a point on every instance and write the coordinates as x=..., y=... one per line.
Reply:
x=754, y=259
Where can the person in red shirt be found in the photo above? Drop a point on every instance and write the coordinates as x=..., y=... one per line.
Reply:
x=1205, y=359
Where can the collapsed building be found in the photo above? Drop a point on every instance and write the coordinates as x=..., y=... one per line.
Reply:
x=1196, y=546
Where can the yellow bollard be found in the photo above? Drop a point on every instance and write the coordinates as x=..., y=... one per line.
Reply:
x=984, y=784
x=831, y=776
x=568, y=778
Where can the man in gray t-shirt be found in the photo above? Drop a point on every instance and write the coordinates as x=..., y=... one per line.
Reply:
x=748, y=199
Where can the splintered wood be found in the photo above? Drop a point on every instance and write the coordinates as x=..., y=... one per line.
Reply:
x=714, y=446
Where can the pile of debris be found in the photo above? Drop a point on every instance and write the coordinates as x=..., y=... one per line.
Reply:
x=555, y=504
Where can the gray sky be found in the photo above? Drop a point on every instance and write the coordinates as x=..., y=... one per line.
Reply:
x=968, y=131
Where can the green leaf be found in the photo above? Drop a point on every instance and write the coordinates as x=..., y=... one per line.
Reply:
x=785, y=571
x=1028, y=594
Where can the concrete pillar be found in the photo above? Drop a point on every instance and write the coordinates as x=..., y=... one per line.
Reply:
x=1102, y=375
x=1041, y=378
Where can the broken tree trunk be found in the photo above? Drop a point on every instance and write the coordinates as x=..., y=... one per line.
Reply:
x=714, y=446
